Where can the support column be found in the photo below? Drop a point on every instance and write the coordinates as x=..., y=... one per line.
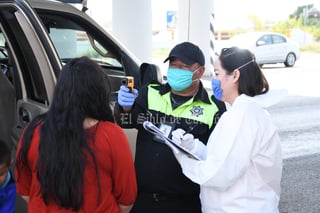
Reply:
x=212, y=43
x=195, y=24
x=132, y=25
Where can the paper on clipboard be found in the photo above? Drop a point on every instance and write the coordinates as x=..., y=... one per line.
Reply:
x=150, y=127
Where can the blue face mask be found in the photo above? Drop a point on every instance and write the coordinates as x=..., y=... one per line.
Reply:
x=179, y=79
x=216, y=89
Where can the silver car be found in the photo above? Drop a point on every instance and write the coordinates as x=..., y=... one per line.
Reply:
x=268, y=47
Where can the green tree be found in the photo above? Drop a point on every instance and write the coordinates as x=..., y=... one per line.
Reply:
x=301, y=21
x=298, y=13
x=257, y=24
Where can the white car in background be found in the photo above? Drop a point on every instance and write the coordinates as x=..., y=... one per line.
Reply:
x=268, y=47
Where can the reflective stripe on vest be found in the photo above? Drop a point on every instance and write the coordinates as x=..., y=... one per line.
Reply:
x=192, y=110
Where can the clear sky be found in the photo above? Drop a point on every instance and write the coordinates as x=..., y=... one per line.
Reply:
x=229, y=13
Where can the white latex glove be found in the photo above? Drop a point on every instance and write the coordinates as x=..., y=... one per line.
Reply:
x=177, y=135
x=185, y=140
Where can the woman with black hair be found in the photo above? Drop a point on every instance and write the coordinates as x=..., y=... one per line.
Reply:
x=243, y=165
x=74, y=158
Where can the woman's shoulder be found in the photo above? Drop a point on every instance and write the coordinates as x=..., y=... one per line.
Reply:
x=246, y=102
x=110, y=129
x=247, y=106
x=252, y=111
x=111, y=132
x=107, y=125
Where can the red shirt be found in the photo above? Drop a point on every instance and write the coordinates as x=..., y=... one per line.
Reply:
x=115, y=167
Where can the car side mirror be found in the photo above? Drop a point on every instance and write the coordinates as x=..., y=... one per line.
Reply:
x=150, y=73
x=260, y=43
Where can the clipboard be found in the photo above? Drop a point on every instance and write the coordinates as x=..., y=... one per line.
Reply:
x=150, y=127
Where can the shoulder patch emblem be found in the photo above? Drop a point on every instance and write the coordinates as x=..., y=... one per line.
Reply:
x=196, y=111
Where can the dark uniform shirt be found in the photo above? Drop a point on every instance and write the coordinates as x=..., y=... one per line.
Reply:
x=162, y=187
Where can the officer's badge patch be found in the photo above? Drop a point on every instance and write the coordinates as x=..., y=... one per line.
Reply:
x=196, y=111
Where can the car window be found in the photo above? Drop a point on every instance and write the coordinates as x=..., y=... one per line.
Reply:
x=277, y=39
x=71, y=41
x=3, y=55
x=74, y=37
x=266, y=38
x=3, y=51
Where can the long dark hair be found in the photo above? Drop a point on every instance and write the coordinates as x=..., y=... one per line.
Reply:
x=82, y=91
x=252, y=81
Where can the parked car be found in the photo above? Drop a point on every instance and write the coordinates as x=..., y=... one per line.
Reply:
x=37, y=37
x=268, y=47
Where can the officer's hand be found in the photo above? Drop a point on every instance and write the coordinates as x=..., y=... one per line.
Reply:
x=126, y=97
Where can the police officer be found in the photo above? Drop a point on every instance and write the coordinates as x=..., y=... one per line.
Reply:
x=181, y=103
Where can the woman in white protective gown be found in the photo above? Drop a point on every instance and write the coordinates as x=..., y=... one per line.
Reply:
x=241, y=166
